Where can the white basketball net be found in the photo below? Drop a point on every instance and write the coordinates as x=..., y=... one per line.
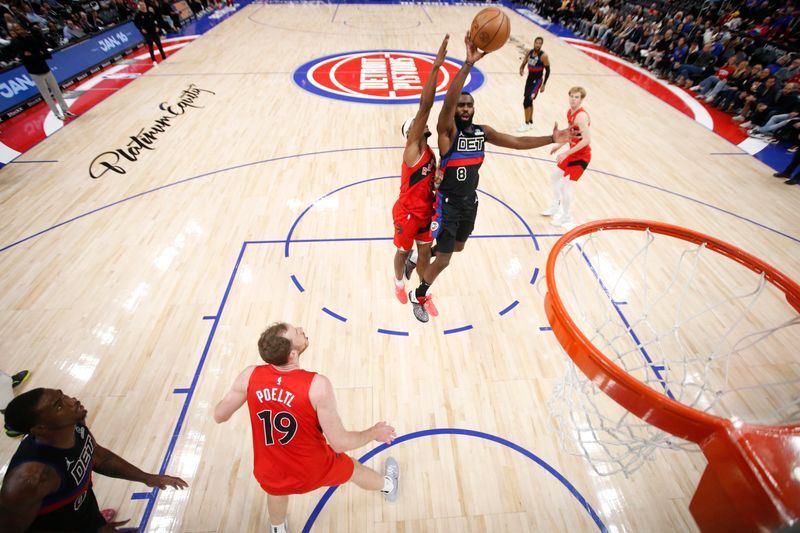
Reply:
x=688, y=322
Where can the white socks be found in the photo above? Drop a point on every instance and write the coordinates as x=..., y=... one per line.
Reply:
x=399, y=283
x=280, y=528
x=388, y=484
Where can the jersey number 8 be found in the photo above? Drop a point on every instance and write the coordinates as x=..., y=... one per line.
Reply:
x=461, y=173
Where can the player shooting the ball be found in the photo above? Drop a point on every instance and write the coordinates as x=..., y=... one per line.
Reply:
x=461, y=143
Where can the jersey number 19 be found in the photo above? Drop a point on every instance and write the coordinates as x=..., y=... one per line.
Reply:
x=283, y=423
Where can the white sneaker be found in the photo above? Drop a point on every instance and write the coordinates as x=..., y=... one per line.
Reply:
x=551, y=211
x=561, y=220
x=392, y=470
x=524, y=127
x=695, y=88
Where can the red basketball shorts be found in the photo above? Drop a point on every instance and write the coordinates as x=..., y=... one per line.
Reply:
x=574, y=165
x=409, y=228
x=340, y=472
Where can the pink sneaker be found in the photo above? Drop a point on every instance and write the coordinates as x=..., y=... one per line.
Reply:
x=400, y=292
x=430, y=307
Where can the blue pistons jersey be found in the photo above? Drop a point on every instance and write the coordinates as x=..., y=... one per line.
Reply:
x=461, y=164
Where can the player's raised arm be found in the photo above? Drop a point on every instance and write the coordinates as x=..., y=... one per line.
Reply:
x=416, y=132
x=446, y=126
x=525, y=142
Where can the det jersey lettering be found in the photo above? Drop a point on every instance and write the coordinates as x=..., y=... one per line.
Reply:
x=470, y=144
x=79, y=468
x=378, y=76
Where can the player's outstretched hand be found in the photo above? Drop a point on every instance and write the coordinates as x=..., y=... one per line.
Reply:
x=473, y=54
x=383, y=432
x=162, y=482
x=560, y=136
x=439, y=61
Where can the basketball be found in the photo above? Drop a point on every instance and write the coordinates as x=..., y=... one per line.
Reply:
x=490, y=29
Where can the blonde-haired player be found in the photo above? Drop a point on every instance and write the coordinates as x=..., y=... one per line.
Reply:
x=573, y=162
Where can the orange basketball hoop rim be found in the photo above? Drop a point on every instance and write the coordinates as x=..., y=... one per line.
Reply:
x=752, y=481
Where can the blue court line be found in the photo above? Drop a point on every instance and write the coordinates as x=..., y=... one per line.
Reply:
x=628, y=327
x=621, y=302
x=511, y=306
x=189, y=395
x=524, y=223
x=458, y=330
x=467, y=433
x=209, y=317
x=545, y=328
x=728, y=153
x=662, y=189
x=297, y=283
x=334, y=315
x=393, y=332
x=341, y=150
x=16, y=162
x=141, y=495
x=180, y=391
x=289, y=239
x=186, y=180
x=535, y=275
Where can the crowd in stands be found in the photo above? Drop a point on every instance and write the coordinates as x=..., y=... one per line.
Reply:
x=738, y=56
x=61, y=22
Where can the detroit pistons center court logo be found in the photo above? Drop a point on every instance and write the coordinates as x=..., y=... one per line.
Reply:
x=379, y=76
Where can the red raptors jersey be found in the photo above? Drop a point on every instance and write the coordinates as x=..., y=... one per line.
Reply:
x=575, y=133
x=416, y=192
x=290, y=452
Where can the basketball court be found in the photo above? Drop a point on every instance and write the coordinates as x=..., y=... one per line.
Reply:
x=145, y=246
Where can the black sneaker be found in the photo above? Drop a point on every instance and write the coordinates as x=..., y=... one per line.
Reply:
x=780, y=175
x=794, y=181
x=409, y=268
x=420, y=313
x=69, y=114
x=19, y=378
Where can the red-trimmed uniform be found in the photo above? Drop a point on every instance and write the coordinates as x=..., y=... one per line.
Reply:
x=290, y=452
x=73, y=506
x=413, y=210
x=574, y=164
x=535, y=78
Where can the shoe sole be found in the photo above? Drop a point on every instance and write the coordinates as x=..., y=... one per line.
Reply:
x=408, y=269
x=420, y=313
